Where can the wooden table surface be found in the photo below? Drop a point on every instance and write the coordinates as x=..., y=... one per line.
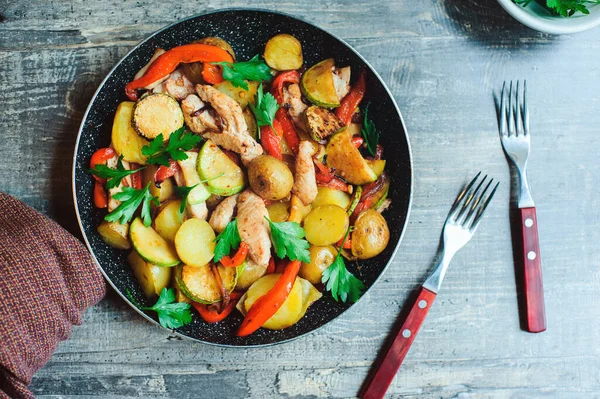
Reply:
x=443, y=61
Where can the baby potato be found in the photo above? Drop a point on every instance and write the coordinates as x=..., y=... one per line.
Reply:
x=326, y=225
x=115, y=234
x=283, y=52
x=217, y=42
x=152, y=278
x=249, y=275
x=279, y=211
x=270, y=178
x=320, y=259
x=328, y=195
x=370, y=236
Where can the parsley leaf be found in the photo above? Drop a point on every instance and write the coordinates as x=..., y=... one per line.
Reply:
x=370, y=133
x=227, y=240
x=237, y=73
x=171, y=314
x=115, y=175
x=288, y=240
x=131, y=199
x=339, y=281
x=265, y=109
x=179, y=142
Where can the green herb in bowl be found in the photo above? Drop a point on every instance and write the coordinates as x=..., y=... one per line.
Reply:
x=565, y=8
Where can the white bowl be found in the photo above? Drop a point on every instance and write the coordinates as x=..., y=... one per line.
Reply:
x=538, y=18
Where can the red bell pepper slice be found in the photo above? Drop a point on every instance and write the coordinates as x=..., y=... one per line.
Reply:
x=100, y=157
x=280, y=80
x=351, y=100
x=288, y=129
x=164, y=172
x=347, y=243
x=170, y=60
x=336, y=183
x=212, y=74
x=136, y=178
x=238, y=258
x=100, y=195
x=362, y=206
x=271, y=139
x=271, y=267
x=323, y=174
x=212, y=315
x=357, y=141
x=267, y=305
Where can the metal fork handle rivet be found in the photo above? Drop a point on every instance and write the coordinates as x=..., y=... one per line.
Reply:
x=531, y=255
x=528, y=222
x=422, y=303
x=406, y=333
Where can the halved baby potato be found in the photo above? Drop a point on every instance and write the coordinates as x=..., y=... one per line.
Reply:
x=166, y=189
x=283, y=52
x=152, y=278
x=330, y=196
x=115, y=234
x=169, y=220
x=194, y=242
x=126, y=141
x=348, y=161
x=326, y=225
x=320, y=259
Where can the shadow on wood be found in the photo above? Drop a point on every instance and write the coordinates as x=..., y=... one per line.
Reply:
x=77, y=98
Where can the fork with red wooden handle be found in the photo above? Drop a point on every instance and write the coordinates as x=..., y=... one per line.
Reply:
x=515, y=138
x=461, y=223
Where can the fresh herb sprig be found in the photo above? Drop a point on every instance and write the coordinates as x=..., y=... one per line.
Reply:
x=370, y=133
x=131, y=199
x=237, y=73
x=171, y=314
x=288, y=240
x=114, y=176
x=227, y=240
x=565, y=8
x=339, y=281
x=265, y=109
x=159, y=152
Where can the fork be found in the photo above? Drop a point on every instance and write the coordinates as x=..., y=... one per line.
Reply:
x=462, y=221
x=516, y=141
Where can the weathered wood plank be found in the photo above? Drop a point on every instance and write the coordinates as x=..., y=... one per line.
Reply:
x=442, y=61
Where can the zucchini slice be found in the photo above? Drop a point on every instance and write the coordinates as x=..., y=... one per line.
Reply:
x=321, y=123
x=199, y=284
x=155, y=114
x=317, y=84
x=239, y=94
x=190, y=175
x=222, y=176
x=151, y=246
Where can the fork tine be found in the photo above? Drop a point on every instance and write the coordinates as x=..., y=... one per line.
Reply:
x=511, y=112
x=455, y=208
x=525, y=109
x=518, y=120
x=503, y=110
x=472, y=212
x=482, y=209
x=464, y=213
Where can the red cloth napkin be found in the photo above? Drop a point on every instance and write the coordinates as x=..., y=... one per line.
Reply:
x=47, y=280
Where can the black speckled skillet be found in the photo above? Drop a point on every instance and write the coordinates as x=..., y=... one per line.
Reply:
x=247, y=31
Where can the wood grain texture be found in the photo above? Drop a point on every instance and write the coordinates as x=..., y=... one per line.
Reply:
x=443, y=61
